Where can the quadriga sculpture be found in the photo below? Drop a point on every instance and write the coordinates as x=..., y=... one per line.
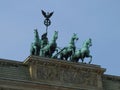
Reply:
x=35, y=46
x=83, y=52
x=50, y=48
x=66, y=52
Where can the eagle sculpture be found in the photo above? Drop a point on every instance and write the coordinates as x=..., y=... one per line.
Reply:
x=47, y=15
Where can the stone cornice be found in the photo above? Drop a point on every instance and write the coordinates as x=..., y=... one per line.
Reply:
x=6, y=62
x=64, y=64
x=111, y=77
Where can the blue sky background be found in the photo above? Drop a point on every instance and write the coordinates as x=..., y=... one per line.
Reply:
x=97, y=19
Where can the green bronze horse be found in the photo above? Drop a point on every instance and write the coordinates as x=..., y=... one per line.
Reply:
x=83, y=52
x=68, y=51
x=50, y=48
x=35, y=46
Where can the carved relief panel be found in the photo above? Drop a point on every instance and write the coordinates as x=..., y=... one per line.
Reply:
x=66, y=74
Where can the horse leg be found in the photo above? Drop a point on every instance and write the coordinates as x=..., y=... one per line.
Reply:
x=72, y=59
x=32, y=50
x=77, y=59
x=90, y=59
x=66, y=58
x=41, y=53
x=82, y=57
x=35, y=50
x=61, y=56
x=55, y=56
x=38, y=51
x=50, y=54
x=82, y=60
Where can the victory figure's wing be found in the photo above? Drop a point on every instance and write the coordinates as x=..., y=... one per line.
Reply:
x=50, y=14
x=44, y=13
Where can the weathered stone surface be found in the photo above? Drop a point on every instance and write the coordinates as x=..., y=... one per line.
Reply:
x=14, y=70
x=64, y=73
x=37, y=73
x=111, y=82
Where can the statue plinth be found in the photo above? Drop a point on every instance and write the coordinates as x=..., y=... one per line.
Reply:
x=54, y=72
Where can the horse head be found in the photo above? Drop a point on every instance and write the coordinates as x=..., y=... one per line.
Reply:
x=75, y=37
x=35, y=46
x=35, y=32
x=36, y=38
x=55, y=36
x=88, y=43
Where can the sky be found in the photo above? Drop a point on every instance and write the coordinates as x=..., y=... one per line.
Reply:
x=96, y=19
